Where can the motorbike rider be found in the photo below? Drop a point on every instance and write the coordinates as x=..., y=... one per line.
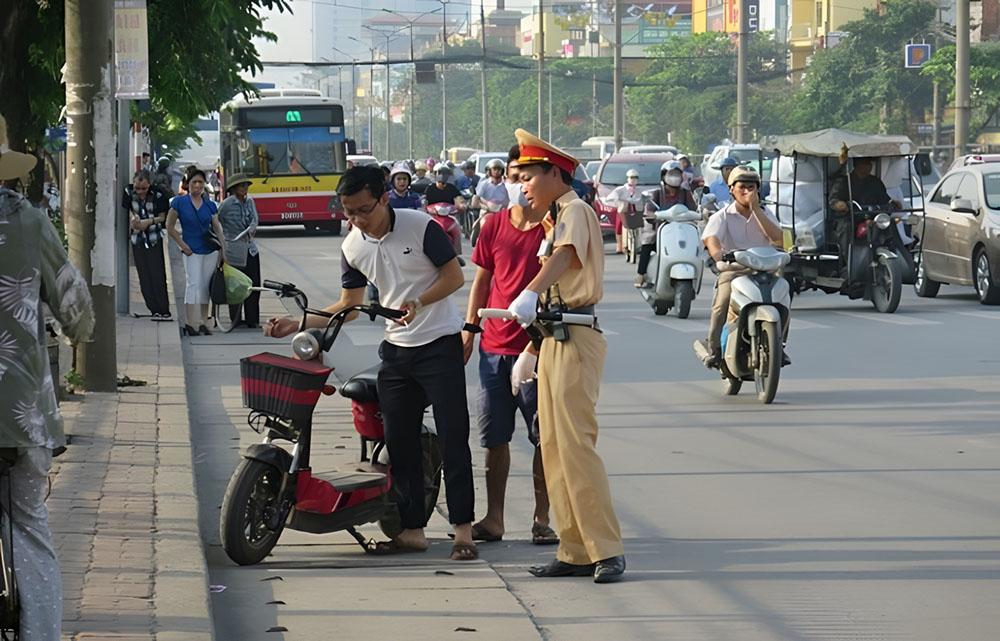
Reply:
x=627, y=198
x=442, y=191
x=469, y=179
x=671, y=192
x=422, y=181
x=863, y=187
x=743, y=224
x=720, y=186
x=493, y=187
x=400, y=196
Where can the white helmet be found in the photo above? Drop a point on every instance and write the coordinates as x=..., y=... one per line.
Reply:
x=631, y=173
x=400, y=168
x=420, y=165
x=671, y=173
x=495, y=163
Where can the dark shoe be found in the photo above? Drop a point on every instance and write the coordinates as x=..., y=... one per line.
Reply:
x=187, y=330
x=252, y=325
x=610, y=570
x=558, y=568
x=204, y=331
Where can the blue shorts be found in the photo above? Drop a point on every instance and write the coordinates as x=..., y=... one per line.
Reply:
x=498, y=407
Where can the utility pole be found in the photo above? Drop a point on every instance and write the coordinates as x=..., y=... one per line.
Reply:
x=741, y=77
x=90, y=205
x=962, y=107
x=936, y=108
x=482, y=78
x=413, y=90
x=619, y=111
x=550, y=108
x=444, y=93
x=541, y=59
x=385, y=94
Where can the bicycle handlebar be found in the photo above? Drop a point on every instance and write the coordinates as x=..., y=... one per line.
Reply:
x=569, y=319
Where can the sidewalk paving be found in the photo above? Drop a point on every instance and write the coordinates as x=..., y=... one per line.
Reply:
x=123, y=508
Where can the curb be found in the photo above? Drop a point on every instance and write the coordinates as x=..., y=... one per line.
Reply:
x=182, y=602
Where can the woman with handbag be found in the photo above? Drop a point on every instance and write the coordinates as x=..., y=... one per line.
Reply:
x=238, y=215
x=202, y=242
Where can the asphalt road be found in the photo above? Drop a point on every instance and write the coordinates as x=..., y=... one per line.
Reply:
x=862, y=504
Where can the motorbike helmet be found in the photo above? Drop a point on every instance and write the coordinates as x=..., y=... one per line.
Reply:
x=443, y=170
x=420, y=165
x=468, y=164
x=728, y=161
x=671, y=173
x=495, y=163
x=631, y=173
x=430, y=163
x=400, y=168
x=744, y=175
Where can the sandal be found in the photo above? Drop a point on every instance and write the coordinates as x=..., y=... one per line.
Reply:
x=479, y=533
x=386, y=548
x=543, y=535
x=464, y=552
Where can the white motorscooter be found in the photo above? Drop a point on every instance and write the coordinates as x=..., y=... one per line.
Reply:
x=677, y=264
x=753, y=344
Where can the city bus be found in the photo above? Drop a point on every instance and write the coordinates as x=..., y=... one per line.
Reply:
x=292, y=144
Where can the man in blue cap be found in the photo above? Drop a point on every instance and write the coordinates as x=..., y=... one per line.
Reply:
x=720, y=186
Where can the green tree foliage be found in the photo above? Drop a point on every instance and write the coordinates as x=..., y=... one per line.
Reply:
x=984, y=79
x=690, y=88
x=198, y=50
x=861, y=83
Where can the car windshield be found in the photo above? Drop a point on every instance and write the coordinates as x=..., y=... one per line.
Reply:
x=614, y=172
x=991, y=185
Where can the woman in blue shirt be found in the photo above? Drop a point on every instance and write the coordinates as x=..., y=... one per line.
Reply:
x=199, y=218
x=400, y=196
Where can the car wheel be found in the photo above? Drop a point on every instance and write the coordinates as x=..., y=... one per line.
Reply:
x=924, y=286
x=989, y=292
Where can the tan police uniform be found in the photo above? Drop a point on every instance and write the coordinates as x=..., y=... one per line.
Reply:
x=569, y=380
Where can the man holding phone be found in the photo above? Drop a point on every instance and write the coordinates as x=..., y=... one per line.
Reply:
x=742, y=224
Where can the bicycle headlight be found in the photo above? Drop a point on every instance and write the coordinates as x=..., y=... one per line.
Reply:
x=305, y=346
x=883, y=221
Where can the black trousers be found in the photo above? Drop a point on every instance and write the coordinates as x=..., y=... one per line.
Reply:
x=409, y=379
x=152, y=277
x=251, y=306
x=645, y=252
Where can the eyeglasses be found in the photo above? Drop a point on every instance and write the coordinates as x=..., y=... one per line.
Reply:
x=362, y=211
x=746, y=186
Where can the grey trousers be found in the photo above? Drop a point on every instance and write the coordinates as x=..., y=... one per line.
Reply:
x=34, y=557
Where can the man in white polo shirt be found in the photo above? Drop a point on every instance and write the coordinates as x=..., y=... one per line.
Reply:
x=408, y=257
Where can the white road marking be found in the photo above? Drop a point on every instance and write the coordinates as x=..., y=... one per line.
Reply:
x=677, y=324
x=892, y=319
x=989, y=315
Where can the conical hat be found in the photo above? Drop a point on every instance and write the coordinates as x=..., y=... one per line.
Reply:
x=14, y=164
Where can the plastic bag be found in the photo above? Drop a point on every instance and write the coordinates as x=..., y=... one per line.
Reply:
x=238, y=285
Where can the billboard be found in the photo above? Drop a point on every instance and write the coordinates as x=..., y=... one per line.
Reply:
x=741, y=16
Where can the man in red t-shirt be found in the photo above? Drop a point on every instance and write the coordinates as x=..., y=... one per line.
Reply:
x=505, y=255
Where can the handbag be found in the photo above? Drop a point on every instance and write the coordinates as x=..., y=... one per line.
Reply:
x=217, y=287
x=211, y=242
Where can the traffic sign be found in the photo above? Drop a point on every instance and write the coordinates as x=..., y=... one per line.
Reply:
x=917, y=55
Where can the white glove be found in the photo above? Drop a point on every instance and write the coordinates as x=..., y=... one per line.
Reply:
x=525, y=307
x=523, y=370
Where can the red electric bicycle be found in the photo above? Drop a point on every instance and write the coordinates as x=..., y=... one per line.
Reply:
x=275, y=487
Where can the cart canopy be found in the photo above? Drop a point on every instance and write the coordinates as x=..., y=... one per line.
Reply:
x=831, y=142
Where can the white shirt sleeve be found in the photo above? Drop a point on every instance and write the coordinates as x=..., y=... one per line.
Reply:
x=714, y=227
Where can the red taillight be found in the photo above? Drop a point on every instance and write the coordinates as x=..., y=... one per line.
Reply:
x=329, y=390
x=861, y=231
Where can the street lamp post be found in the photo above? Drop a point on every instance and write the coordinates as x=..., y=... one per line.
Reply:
x=444, y=94
x=413, y=80
x=385, y=91
x=354, y=113
x=371, y=87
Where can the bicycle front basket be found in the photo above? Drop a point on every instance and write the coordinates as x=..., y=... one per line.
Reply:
x=282, y=386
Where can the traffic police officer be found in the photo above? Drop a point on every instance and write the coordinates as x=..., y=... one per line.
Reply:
x=570, y=363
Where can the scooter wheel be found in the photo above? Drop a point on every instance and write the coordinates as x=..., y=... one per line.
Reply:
x=731, y=386
x=660, y=309
x=252, y=491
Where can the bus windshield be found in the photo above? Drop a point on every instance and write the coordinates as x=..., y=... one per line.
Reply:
x=283, y=151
